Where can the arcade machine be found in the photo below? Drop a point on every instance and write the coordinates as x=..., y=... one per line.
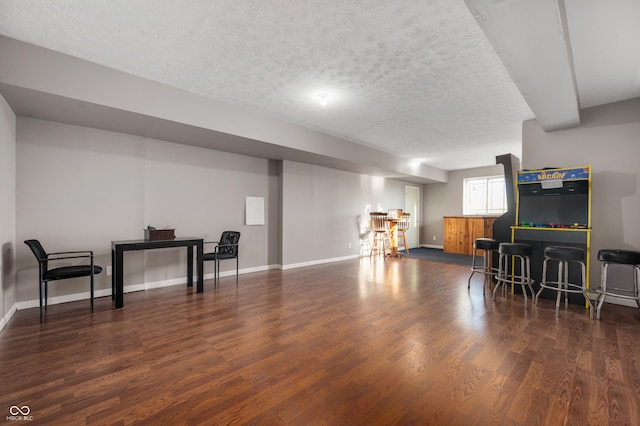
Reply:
x=554, y=209
x=502, y=225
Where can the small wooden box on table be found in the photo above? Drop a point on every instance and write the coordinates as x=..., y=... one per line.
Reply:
x=159, y=234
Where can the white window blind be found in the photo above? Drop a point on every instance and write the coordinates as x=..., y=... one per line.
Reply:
x=484, y=196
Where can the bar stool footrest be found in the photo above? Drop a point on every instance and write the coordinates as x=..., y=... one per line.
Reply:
x=481, y=270
x=571, y=288
x=616, y=294
x=510, y=279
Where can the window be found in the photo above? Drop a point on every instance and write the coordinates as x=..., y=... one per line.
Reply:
x=484, y=195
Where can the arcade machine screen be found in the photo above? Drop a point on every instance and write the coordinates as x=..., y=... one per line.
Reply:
x=554, y=208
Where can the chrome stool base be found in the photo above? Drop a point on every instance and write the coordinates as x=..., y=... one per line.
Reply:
x=489, y=245
x=620, y=257
x=513, y=251
x=564, y=256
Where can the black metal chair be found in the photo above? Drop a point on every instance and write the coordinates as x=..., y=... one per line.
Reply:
x=61, y=273
x=226, y=248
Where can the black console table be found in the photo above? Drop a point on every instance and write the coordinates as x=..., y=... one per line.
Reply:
x=117, y=259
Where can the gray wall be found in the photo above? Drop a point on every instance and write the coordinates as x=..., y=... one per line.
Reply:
x=445, y=199
x=7, y=211
x=323, y=209
x=608, y=139
x=80, y=188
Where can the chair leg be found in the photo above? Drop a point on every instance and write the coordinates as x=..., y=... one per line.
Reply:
x=92, y=289
x=487, y=267
x=533, y=295
x=603, y=290
x=365, y=245
x=40, y=291
x=404, y=239
x=501, y=274
x=636, y=271
x=473, y=265
x=380, y=239
x=523, y=273
x=373, y=246
x=543, y=281
x=387, y=237
x=237, y=264
x=559, y=295
x=585, y=291
x=113, y=280
x=566, y=284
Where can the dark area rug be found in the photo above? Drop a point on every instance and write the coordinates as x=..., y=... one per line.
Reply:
x=439, y=256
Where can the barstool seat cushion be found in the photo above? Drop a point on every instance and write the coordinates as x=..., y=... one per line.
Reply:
x=486, y=244
x=625, y=257
x=515, y=249
x=564, y=253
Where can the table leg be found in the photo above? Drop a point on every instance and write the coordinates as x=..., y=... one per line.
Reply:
x=394, y=239
x=190, y=265
x=113, y=276
x=118, y=273
x=200, y=261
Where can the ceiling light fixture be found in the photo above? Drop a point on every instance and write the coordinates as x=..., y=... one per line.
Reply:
x=323, y=98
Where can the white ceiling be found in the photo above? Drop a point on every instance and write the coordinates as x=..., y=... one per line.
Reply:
x=417, y=78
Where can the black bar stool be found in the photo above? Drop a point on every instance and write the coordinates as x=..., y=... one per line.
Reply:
x=512, y=251
x=564, y=256
x=621, y=257
x=489, y=245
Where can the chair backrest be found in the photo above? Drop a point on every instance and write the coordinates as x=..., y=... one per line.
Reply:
x=379, y=221
x=364, y=226
x=404, y=221
x=38, y=251
x=229, y=237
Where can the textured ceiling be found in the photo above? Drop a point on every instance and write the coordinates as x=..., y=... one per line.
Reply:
x=417, y=78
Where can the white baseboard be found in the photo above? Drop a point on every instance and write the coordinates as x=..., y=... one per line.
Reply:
x=432, y=246
x=318, y=262
x=55, y=300
x=131, y=288
x=5, y=320
x=28, y=304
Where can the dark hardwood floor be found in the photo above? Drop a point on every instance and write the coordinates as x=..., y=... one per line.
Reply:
x=360, y=342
